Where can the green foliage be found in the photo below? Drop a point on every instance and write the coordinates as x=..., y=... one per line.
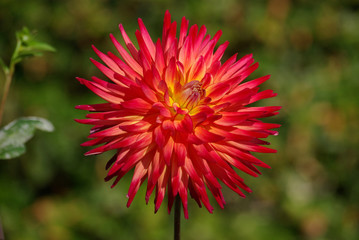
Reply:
x=14, y=135
x=28, y=46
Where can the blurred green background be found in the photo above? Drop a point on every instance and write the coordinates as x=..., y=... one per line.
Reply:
x=311, y=49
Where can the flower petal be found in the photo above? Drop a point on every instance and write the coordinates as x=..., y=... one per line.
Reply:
x=206, y=136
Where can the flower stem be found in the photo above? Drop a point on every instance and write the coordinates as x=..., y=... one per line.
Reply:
x=177, y=218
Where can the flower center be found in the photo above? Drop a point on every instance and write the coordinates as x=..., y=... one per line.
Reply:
x=191, y=94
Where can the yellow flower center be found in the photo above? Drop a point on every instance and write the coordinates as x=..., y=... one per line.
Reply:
x=190, y=95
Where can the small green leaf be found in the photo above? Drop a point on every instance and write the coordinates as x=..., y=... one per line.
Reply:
x=40, y=46
x=25, y=54
x=14, y=135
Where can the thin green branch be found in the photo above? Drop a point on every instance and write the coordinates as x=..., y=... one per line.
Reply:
x=9, y=72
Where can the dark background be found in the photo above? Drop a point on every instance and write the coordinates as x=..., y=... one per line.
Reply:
x=311, y=49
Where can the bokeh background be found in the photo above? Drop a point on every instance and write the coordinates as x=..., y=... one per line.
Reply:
x=311, y=49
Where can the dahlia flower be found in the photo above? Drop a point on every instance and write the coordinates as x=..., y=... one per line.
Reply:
x=178, y=116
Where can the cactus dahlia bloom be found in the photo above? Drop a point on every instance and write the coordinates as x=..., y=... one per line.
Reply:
x=178, y=116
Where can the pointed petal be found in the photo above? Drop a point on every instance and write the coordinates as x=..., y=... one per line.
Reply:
x=147, y=39
x=167, y=150
x=129, y=43
x=128, y=59
x=206, y=136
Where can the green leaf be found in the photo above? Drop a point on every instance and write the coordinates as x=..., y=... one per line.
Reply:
x=14, y=135
x=26, y=54
x=40, y=46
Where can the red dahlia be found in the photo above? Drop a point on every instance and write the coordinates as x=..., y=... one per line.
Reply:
x=178, y=116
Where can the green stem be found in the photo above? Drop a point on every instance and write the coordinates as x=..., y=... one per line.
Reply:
x=177, y=218
x=8, y=78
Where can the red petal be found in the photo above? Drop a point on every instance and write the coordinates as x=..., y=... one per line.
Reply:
x=136, y=128
x=207, y=136
x=108, y=72
x=238, y=67
x=185, y=55
x=199, y=38
x=220, y=51
x=101, y=107
x=94, y=142
x=161, y=189
x=143, y=47
x=159, y=137
x=159, y=58
x=128, y=43
x=170, y=74
x=231, y=118
x=137, y=103
x=217, y=91
x=184, y=125
x=181, y=153
x=97, y=122
x=262, y=95
x=97, y=89
x=197, y=70
x=253, y=147
x=164, y=111
x=137, y=179
x=236, y=153
x=128, y=59
x=183, y=192
x=253, y=83
x=168, y=126
x=167, y=150
x=112, y=131
x=109, y=62
x=128, y=71
x=148, y=92
x=147, y=39
x=183, y=31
